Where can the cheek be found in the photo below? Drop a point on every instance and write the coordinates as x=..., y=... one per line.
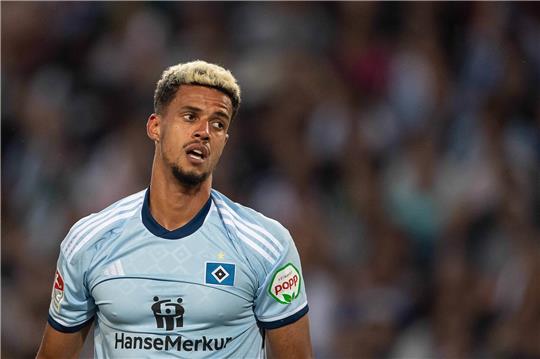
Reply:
x=171, y=142
x=219, y=149
x=172, y=135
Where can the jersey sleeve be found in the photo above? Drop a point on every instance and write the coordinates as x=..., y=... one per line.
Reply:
x=281, y=300
x=72, y=307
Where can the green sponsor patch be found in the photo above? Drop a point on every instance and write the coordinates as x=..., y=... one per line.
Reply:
x=285, y=285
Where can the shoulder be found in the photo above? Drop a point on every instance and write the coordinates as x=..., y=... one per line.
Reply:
x=264, y=235
x=90, y=229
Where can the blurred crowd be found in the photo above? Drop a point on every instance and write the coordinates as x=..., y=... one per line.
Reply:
x=399, y=143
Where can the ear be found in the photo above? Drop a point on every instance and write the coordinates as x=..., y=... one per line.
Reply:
x=153, y=127
x=226, y=138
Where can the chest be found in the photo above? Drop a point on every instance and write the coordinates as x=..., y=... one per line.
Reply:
x=154, y=285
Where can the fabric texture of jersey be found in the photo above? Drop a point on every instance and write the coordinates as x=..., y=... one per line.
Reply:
x=207, y=289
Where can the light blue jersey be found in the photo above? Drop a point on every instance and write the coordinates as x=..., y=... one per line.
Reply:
x=207, y=289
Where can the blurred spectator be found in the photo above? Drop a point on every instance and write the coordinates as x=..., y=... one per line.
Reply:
x=398, y=142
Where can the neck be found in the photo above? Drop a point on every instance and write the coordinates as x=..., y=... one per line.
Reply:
x=172, y=204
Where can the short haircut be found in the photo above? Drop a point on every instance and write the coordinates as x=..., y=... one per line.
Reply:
x=195, y=73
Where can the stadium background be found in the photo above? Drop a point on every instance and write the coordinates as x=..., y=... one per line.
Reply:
x=399, y=142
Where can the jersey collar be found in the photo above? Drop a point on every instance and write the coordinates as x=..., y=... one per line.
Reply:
x=189, y=228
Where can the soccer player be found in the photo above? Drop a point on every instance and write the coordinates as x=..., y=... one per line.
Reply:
x=179, y=269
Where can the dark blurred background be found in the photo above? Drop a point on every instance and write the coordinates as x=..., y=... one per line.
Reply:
x=399, y=143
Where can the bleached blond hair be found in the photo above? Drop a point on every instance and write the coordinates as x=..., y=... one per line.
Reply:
x=195, y=73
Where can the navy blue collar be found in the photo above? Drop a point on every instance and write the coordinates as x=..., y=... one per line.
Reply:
x=153, y=226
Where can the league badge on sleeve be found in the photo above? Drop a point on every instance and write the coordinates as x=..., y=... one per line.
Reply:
x=58, y=290
x=220, y=273
x=285, y=285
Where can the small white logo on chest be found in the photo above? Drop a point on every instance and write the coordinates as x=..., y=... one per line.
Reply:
x=114, y=268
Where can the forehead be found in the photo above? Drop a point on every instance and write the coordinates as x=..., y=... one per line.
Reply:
x=195, y=95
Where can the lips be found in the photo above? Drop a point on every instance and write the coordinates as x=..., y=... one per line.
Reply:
x=197, y=152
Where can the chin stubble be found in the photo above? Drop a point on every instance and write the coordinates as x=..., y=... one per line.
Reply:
x=190, y=180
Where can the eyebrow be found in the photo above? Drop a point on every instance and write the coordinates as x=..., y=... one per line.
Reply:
x=196, y=109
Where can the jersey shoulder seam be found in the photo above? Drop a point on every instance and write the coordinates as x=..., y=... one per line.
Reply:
x=261, y=234
x=93, y=227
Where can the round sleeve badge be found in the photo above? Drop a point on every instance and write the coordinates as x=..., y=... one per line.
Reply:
x=285, y=285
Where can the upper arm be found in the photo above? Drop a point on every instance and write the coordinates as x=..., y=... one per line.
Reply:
x=281, y=305
x=72, y=304
x=59, y=345
x=71, y=311
x=290, y=341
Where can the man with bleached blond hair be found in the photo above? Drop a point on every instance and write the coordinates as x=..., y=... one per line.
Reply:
x=178, y=269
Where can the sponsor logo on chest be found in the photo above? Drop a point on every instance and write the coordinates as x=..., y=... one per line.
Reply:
x=169, y=316
x=168, y=313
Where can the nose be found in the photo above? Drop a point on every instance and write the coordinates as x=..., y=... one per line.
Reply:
x=202, y=131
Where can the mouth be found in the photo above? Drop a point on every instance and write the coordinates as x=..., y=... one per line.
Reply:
x=197, y=152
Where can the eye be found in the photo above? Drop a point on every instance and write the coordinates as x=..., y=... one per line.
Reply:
x=189, y=116
x=218, y=125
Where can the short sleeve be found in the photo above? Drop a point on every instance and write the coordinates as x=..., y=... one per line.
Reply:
x=282, y=300
x=72, y=307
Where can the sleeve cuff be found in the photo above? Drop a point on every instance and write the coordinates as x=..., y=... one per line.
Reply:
x=61, y=328
x=285, y=321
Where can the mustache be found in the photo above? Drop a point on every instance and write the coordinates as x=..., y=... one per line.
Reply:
x=194, y=142
x=204, y=143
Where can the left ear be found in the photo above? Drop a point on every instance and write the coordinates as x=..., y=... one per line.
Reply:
x=153, y=127
x=226, y=138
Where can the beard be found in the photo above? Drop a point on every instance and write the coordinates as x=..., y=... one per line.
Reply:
x=188, y=179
